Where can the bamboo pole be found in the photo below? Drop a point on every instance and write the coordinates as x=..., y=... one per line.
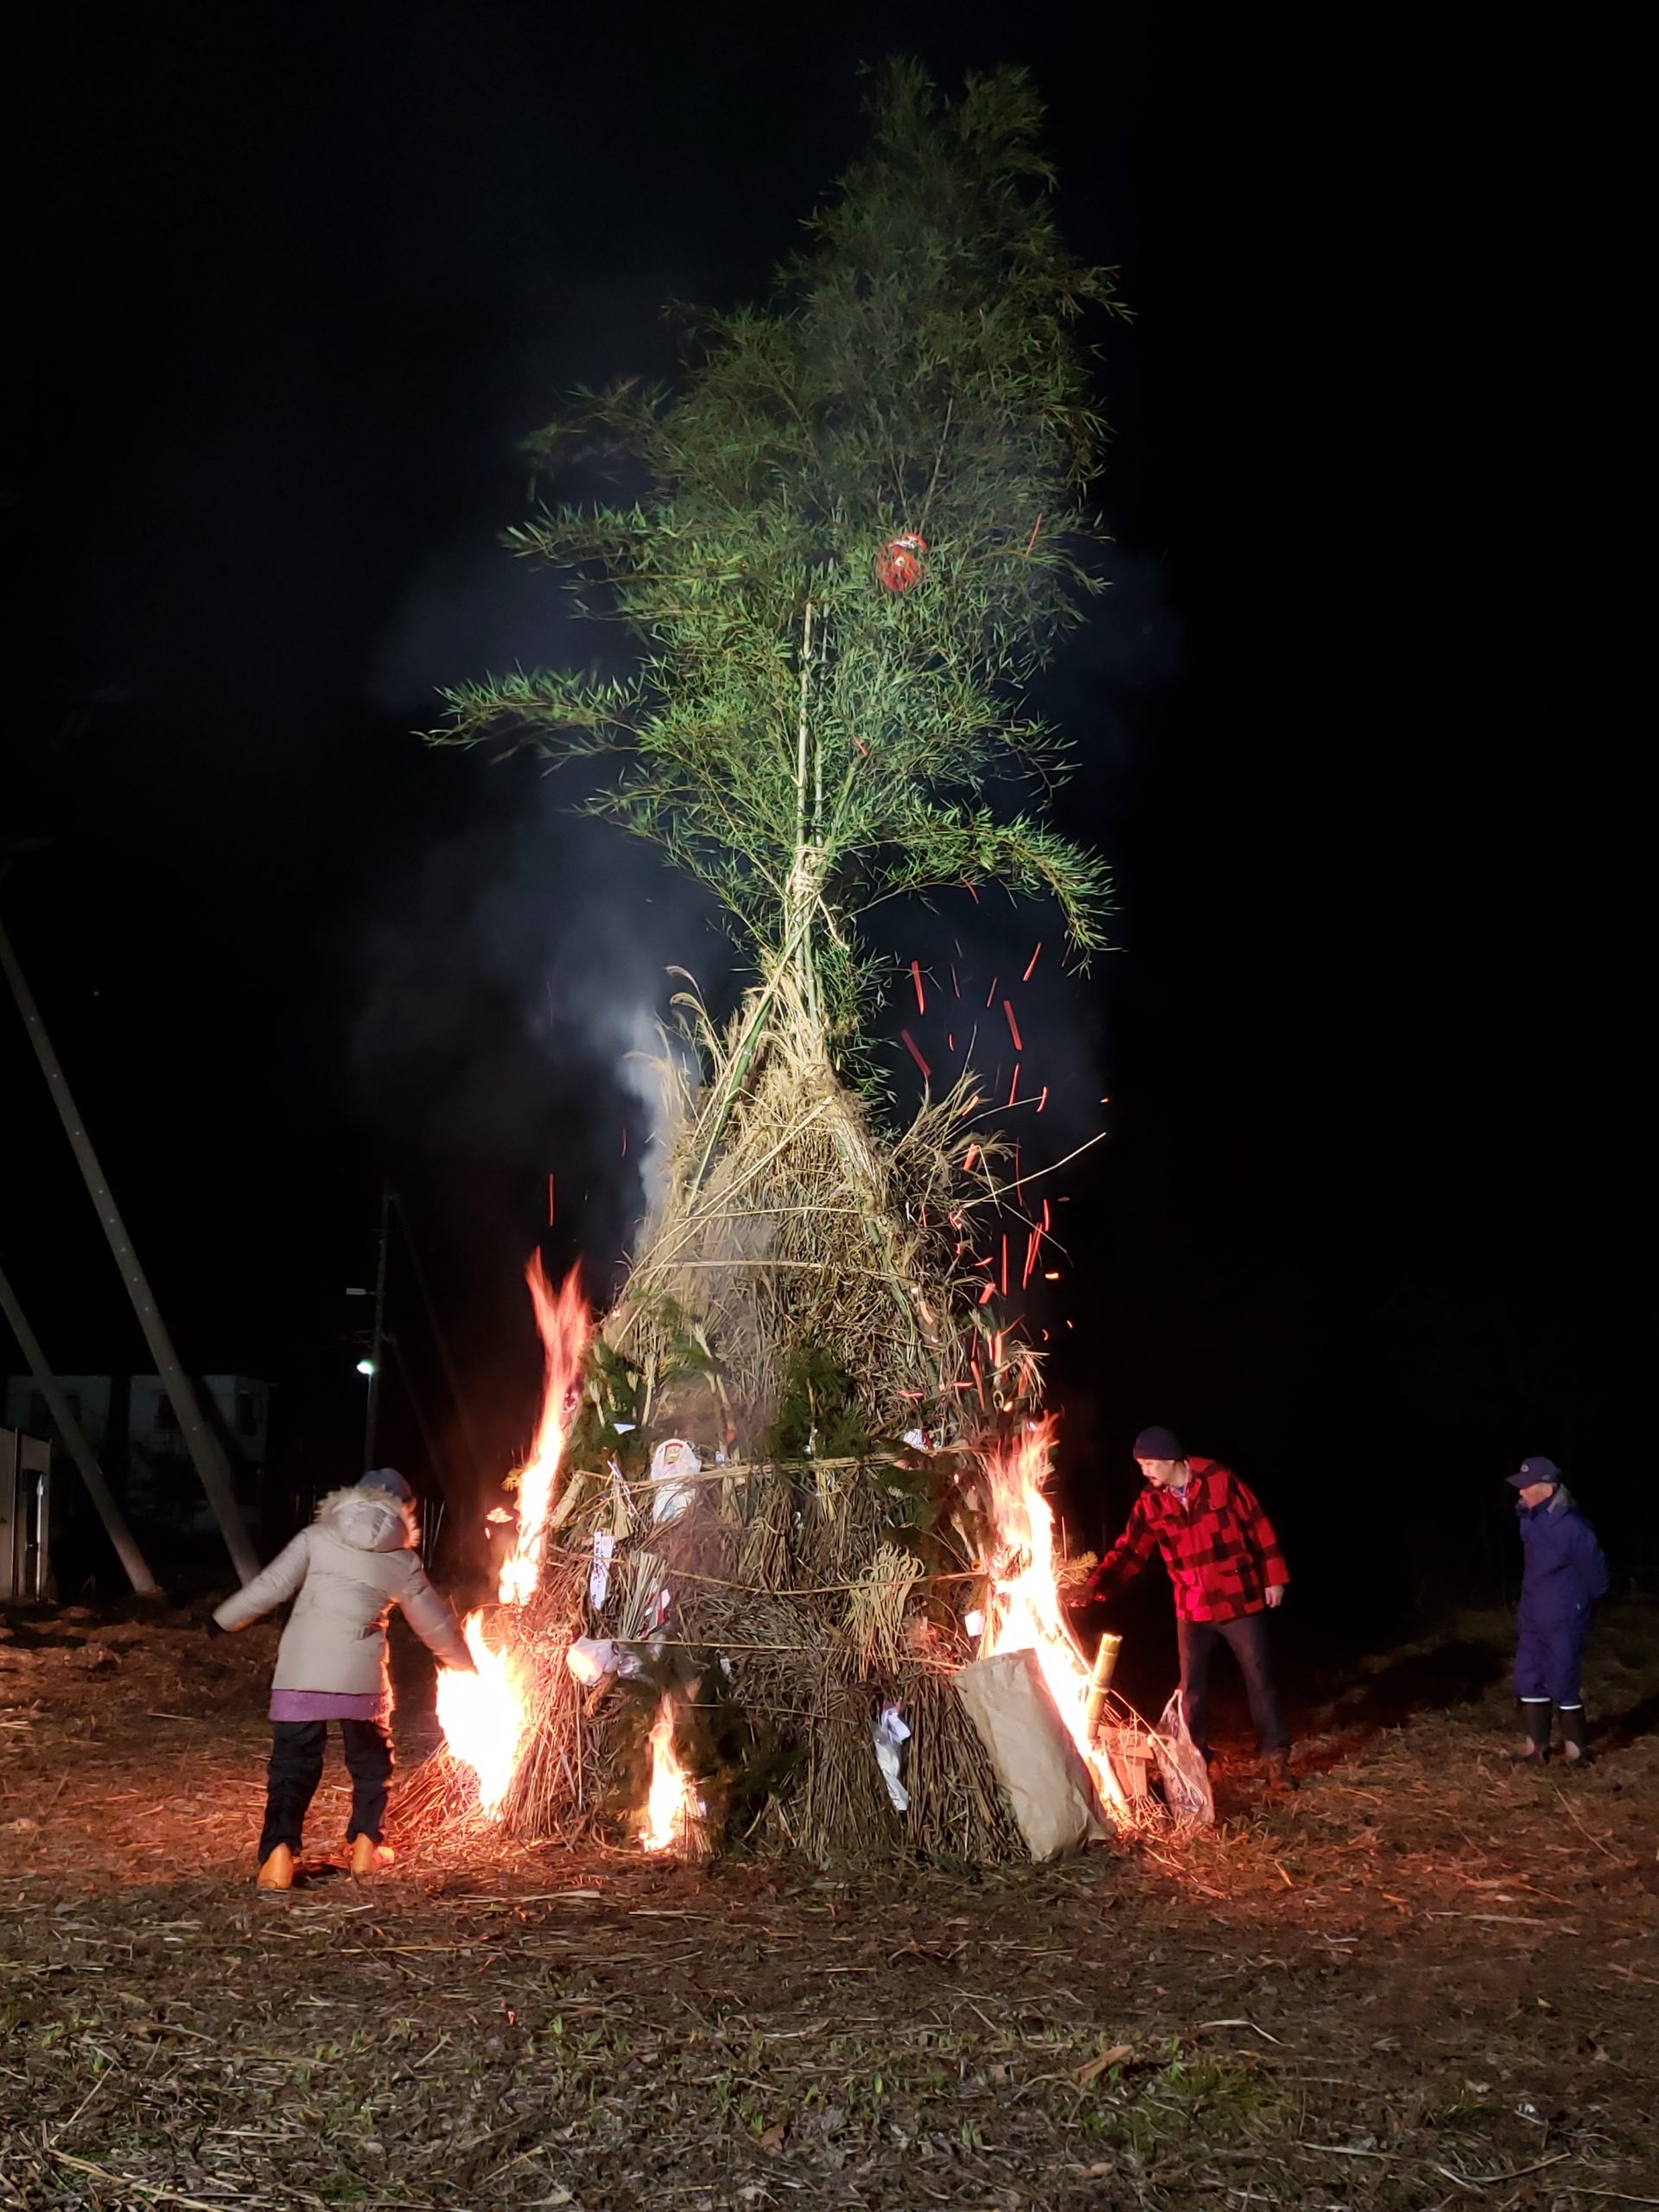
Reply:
x=798, y=873
x=1100, y=1679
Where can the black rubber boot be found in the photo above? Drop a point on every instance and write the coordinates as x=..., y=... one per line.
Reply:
x=1276, y=1766
x=1574, y=1750
x=1533, y=1750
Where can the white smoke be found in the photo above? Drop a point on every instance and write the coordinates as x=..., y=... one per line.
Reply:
x=513, y=982
x=656, y=1070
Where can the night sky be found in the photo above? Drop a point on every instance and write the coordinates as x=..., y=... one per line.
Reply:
x=292, y=282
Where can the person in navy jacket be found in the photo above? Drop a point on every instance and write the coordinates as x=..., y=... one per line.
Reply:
x=1564, y=1579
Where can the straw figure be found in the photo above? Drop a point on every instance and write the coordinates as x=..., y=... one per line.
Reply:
x=864, y=531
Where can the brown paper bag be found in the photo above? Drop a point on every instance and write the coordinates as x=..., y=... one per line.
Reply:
x=1050, y=1792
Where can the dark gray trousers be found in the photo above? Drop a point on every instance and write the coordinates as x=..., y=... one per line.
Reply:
x=1247, y=1638
x=296, y=1767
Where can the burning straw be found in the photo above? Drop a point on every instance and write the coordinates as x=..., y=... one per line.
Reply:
x=735, y=1652
x=795, y=1614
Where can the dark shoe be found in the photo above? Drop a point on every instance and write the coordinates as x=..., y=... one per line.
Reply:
x=1533, y=1750
x=1574, y=1750
x=1280, y=1777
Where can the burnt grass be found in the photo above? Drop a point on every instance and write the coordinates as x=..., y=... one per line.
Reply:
x=1424, y=1980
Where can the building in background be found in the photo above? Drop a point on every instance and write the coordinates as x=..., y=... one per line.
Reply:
x=136, y=1437
x=25, y=1516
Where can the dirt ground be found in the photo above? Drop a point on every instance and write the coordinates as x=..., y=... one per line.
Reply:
x=1426, y=1981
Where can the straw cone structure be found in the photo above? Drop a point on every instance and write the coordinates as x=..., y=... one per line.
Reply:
x=805, y=1592
x=782, y=1599
x=793, y=1621
x=789, y=1222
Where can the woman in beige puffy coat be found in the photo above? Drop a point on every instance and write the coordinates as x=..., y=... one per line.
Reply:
x=350, y=1567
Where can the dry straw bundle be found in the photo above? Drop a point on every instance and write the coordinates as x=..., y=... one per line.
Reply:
x=782, y=1599
x=786, y=1221
x=795, y=1615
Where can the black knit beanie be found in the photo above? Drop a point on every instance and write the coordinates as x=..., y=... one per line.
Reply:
x=1156, y=1443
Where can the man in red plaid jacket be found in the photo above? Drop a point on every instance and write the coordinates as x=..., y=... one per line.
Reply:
x=1227, y=1572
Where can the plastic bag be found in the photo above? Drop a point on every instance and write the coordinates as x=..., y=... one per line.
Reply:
x=590, y=1658
x=669, y=1496
x=1181, y=1768
x=888, y=1734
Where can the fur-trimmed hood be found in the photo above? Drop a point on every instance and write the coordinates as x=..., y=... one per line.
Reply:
x=345, y=1575
x=369, y=1520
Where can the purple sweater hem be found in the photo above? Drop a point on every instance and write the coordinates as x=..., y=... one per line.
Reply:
x=328, y=1705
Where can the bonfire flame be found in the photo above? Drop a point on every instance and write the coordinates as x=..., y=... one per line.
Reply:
x=672, y=1805
x=1025, y=1609
x=484, y=1716
x=562, y=1318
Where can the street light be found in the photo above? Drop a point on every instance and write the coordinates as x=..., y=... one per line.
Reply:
x=367, y=1367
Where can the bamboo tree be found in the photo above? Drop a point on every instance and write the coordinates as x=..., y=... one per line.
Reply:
x=800, y=739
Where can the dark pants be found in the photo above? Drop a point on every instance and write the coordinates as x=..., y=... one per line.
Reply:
x=296, y=1769
x=1248, y=1639
x=1547, y=1660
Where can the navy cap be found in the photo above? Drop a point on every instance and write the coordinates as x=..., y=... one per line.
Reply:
x=1535, y=1470
x=1157, y=1443
x=388, y=1479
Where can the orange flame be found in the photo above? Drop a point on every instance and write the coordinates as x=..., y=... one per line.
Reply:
x=673, y=1806
x=562, y=1318
x=1025, y=1609
x=484, y=1716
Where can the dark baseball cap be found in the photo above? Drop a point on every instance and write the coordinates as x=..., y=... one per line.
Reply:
x=1535, y=1470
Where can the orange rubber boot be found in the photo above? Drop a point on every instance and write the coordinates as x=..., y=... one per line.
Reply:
x=368, y=1857
x=277, y=1872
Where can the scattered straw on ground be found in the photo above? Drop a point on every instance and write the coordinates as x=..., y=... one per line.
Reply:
x=1426, y=1981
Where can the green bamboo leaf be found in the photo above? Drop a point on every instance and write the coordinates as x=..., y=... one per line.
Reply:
x=802, y=741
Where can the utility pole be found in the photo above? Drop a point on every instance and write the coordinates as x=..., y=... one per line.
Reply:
x=74, y=1442
x=378, y=1342
x=205, y=1447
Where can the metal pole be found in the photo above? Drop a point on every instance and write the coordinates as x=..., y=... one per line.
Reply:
x=205, y=1447
x=378, y=1344
x=75, y=1443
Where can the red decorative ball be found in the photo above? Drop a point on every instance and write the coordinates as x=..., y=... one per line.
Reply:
x=899, y=564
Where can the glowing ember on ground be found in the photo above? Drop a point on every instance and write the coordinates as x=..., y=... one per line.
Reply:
x=672, y=1807
x=483, y=1715
x=1026, y=1612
